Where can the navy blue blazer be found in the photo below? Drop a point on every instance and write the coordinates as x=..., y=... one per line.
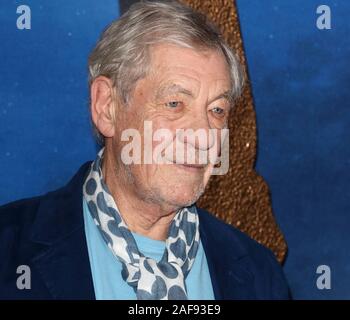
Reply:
x=47, y=234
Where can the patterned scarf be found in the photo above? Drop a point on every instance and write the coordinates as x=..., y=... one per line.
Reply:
x=151, y=280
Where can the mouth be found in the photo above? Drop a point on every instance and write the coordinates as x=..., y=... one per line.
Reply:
x=191, y=167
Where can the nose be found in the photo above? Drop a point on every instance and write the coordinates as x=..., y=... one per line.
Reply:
x=198, y=133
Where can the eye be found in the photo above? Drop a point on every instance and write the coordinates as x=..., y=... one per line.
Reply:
x=172, y=104
x=218, y=110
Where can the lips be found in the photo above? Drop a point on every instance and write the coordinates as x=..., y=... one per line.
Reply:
x=191, y=167
x=197, y=166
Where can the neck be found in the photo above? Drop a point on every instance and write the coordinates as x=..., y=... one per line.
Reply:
x=141, y=215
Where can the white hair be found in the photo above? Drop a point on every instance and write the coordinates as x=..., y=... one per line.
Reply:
x=122, y=52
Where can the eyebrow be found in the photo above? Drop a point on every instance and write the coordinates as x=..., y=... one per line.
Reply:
x=225, y=95
x=173, y=88
x=176, y=88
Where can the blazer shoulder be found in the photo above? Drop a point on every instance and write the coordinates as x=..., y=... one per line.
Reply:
x=19, y=212
x=16, y=221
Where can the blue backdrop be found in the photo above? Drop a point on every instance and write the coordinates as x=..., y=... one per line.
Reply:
x=300, y=77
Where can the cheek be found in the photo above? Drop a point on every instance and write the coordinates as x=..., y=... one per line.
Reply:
x=163, y=135
x=218, y=143
x=207, y=174
x=219, y=137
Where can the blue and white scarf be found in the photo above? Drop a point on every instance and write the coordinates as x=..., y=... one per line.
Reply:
x=163, y=280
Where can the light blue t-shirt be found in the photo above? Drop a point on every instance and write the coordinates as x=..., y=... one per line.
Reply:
x=106, y=268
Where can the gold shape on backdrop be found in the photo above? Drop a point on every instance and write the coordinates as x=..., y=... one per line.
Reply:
x=241, y=197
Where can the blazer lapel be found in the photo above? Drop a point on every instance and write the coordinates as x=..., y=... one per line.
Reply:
x=228, y=263
x=63, y=262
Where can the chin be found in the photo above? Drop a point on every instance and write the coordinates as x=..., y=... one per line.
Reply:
x=184, y=198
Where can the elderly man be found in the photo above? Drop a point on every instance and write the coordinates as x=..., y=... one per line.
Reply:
x=126, y=225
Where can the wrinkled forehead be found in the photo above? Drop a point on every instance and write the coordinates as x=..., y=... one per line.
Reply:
x=165, y=55
x=190, y=64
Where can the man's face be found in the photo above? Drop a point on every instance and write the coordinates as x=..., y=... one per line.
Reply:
x=185, y=89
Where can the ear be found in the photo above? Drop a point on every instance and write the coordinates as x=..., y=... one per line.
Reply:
x=103, y=102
